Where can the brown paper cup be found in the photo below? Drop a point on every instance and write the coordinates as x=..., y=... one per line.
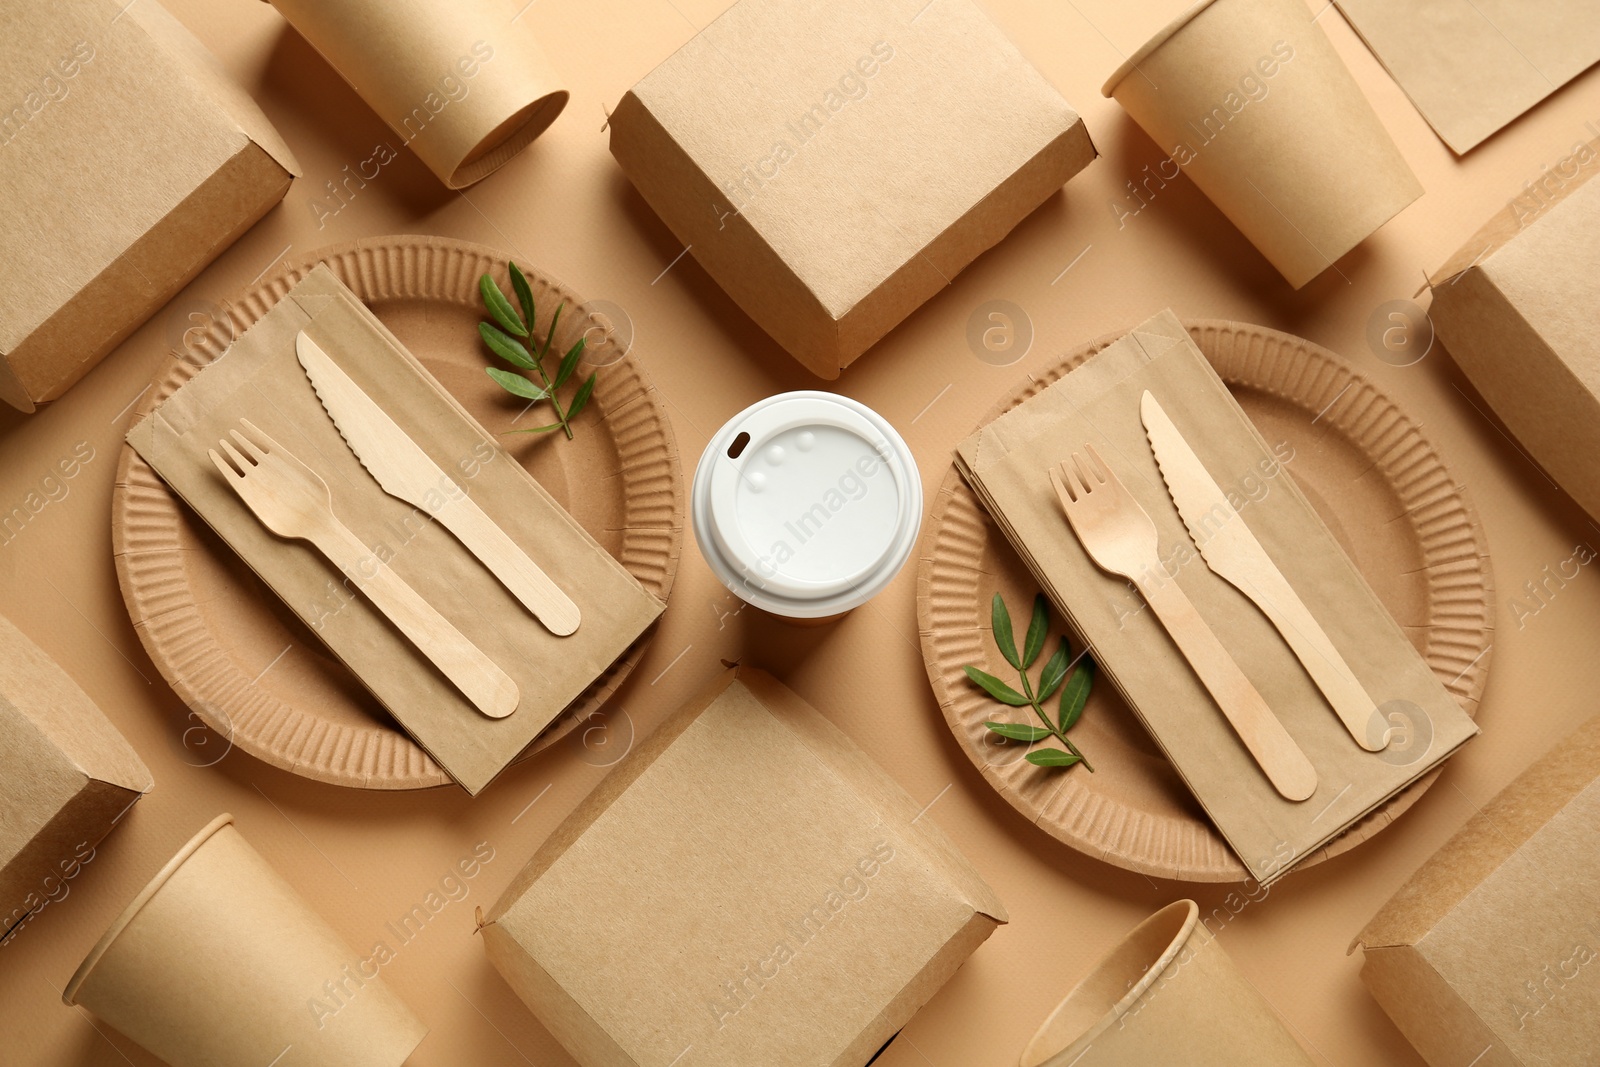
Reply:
x=219, y=961
x=1166, y=994
x=460, y=81
x=1249, y=98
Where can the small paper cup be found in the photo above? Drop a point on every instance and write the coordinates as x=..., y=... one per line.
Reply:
x=1249, y=98
x=459, y=81
x=219, y=961
x=1166, y=994
x=806, y=505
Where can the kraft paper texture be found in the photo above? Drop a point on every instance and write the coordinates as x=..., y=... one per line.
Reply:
x=1167, y=994
x=1249, y=98
x=1008, y=462
x=794, y=908
x=1472, y=67
x=261, y=379
x=462, y=82
x=219, y=961
x=1490, y=950
x=129, y=163
x=66, y=778
x=1516, y=309
x=779, y=144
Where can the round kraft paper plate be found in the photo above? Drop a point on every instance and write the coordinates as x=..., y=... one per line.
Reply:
x=1372, y=477
x=244, y=664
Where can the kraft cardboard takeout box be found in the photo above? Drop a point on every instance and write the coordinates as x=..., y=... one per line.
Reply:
x=747, y=883
x=128, y=162
x=66, y=777
x=260, y=378
x=834, y=164
x=1518, y=308
x=462, y=82
x=1167, y=994
x=218, y=962
x=1249, y=98
x=1490, y=954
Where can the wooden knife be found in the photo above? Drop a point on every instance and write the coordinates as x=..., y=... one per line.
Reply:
x=1234, y=554
x=405, y=471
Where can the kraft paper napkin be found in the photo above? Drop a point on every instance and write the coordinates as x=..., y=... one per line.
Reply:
x=1474, y=66
x=1007, y=464
x=261, y=379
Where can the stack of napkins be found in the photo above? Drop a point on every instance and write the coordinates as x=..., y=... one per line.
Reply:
x=261, y=379
x=1008, y=464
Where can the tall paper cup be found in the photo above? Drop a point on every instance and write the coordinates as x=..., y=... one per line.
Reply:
x=1249, y=98
x=1167, y=994
x=806, y=505
x=218, y=961
x=460, y=81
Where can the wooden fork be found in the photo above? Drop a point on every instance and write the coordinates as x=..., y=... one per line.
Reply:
x=1120, y=537
x=292, y=501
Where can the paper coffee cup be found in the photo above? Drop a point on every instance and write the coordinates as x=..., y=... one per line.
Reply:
x=218, y=961
x=807, y=504
x=460, y=81
x=1167, y=994
x=1249, y=98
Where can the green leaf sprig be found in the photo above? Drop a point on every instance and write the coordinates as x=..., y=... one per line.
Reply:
x=1074, y=689
x=505, y=337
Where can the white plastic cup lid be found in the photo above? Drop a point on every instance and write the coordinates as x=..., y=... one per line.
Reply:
x=807, y=504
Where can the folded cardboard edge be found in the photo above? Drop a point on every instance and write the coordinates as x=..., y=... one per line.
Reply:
x=812, y=729
x=566, y=1019
x=557, y=1010
x=56, y=848
x=66, y=716
x=1516, y=216
x=1416, y=997
x=54, y=356
x=1486, y=841
x=732, y=252
x=205, y=72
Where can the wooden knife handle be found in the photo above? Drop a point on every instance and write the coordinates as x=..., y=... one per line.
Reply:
x=490, y=689
x=1278, y=755
x=1300, y=630
x=506, y=560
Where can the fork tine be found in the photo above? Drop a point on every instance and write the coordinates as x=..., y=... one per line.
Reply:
x=256, y=451
x=263, y=442
x=1104, y=470
x=222, y=466
x=244, y=466
x=1063, y=494
x=1085, y=472
x=1074, y=487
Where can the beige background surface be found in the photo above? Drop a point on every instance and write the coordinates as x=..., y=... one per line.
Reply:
x=363, y=859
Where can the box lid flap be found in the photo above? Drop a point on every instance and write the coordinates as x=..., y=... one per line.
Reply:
x=62, y=713
x=109, y=122
x=1487, y=841
x=1521, y=212
x=207, y=75
x=782, y=879
x=852, y=149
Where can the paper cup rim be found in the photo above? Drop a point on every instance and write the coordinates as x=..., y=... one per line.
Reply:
x=69, y=996
x=1151, y=975
x=1145, y=51
x=535, y=117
